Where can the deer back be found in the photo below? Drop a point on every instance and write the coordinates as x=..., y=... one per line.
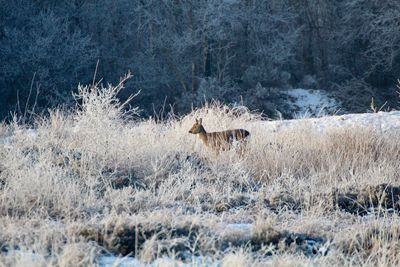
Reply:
x=224, y=139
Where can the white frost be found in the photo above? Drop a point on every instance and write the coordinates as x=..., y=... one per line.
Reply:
x=383, y=122
x=108, y=261
x=246, y=227
x=309, y=102
x=112, y=261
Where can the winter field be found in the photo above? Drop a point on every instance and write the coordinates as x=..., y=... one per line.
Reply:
x=97, y=186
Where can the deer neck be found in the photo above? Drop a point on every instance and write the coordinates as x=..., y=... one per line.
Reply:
x=203, y=136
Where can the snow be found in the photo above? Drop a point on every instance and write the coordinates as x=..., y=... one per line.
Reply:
x=239, y=226
x=32, y=133
x=309, y=102
x=313, y=248
x=383, y=122
x=111, y=261
x=238, y=230
x=28, y=257
x=28, y=133
x=105, y=261
x=5, y=140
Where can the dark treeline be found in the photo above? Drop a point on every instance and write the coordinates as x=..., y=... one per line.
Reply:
x=180, y=51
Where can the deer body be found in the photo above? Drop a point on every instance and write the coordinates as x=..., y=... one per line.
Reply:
x=218, y=140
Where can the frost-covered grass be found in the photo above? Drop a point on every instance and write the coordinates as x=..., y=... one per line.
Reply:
x=98, y=182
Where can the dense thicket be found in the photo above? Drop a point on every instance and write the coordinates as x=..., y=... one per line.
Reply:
x=182, y=51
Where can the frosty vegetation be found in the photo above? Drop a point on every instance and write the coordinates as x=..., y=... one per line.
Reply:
x=84, y=184
x=182, y=52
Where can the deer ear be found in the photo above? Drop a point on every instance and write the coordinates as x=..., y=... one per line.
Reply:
x=197, y=121
x=200, y=120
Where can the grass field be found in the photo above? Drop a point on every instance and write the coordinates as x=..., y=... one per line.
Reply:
x=98, y=181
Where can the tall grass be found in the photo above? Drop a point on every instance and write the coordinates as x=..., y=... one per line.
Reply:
x=79, y=182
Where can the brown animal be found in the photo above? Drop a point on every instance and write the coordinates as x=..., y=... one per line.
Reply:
x=219, y=140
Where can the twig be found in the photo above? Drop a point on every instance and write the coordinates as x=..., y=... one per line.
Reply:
x=18, y=104
x=29, y=96
x=95, y=74
x=36, y=98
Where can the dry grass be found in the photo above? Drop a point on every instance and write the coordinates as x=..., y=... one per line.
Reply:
x=99, y=180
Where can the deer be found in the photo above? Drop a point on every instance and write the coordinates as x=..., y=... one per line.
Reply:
x=218, y=141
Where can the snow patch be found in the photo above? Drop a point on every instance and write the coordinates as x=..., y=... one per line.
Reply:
x=382, y=122
x=309, y=102
x=105, y=261
x=5, y=141
x=110, y=261
x=28, y=133
x=241, y=227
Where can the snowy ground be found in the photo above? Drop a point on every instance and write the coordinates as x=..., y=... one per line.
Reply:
x=381, y=121
x=243, y=230
x=109, y=261
x=311, y=103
